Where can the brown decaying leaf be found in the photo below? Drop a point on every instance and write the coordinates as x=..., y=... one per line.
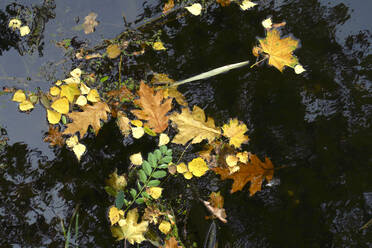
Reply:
x=254, y=171
x=279, y=50
x=168, y=6
x=171, y=243
x=90, y=23
x=160, y=78
x=91, y=116
x=224, y=3
x=194, y=126
x=54, y=136
x=154, y=110
x=113, y=51
x=123, y=123
x=217, y=212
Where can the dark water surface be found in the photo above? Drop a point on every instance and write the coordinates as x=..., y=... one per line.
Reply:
x=317, y=124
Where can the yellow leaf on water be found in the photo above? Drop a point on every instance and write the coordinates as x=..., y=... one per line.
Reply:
x=137, y=132
x=231, y=160
x=72, y=80
x=81, y=100
x=243, y=156
x=70, y=91
x=54, y=91
x=24, y=30
x=113, y=51
x=26, y=105
x=158, y=46
x=129, y=229
x=90, y=23
x=235, y=132
x=84, y=89
x=154, y=192
x=93, y=96
x=137, y=123
x=163, y=139
x=165, y=227
x=198, y=167
x=79, y=150
x=76, y=73
x=58, y=83
x=247, y=4
x=15, y=23
x=19, y=96
x=136, y=159
x=53, y=116
x=61, y=105
x=72, y=141
x=188, y=175
x=195, y=9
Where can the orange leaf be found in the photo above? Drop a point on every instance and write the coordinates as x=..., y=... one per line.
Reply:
x=153, y=110
x=54, y=136
x=224, y=3
x=168, y=6
x=254, y=171
x=171, y=243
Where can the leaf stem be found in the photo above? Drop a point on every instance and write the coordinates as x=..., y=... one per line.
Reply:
x=258, y=62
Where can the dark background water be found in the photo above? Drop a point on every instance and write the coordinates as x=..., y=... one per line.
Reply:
x=317, y=124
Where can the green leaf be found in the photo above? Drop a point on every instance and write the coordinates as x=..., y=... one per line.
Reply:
x=119, y=201
x=152, y=159
x=126, y=202
x=144, y=194
x=139, y=186
x=159, y=174
x=163, y=166
x=166, y=159
x=149, y=131
x=147, y=167
x=104, y=79
x=133, y=193
x=64, y=120
x=157, y=154
x=153, y=183
x=142, y=176
x=169, y=152
x=140, y=201
x=163, y=149
x=110, y=191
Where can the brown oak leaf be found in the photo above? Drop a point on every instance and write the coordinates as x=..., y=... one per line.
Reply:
x=254, y=171
x=91, y=116
x=171, y=243
x=154, y=110
x=54, y=136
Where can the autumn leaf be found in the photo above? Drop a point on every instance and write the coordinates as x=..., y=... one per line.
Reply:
x=195, y=9
x=168, y=6
x=158, y=46
x=215, y=206
x=193, y=126
x=115, y=214
x=123, y=123
x=90, y=116
x=129, y=229
x=113, y=51
x=279, y=50
x=171, y=243
x=54, y=136
x=165, y=227
x=235, y=132
x=90, y=23
x=254, y=171
x=153, y=110
x=115, y=181
x=224, y=3
x=19, y=96
x=198, y=167
x=70, y=91
x=170, y=91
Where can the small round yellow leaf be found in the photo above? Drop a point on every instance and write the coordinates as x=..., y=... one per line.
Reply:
x=26, y=105
x=188, y=175
x=54, y=91
x=198, y=167
x=81, y=101
x=231, y=160
x=24, y=30
x=181, y=168
x=136, y=159
x=72, y=141
x=158, y=46
x=113, y=51
x=15, y=23
x=137, y=123
x=58, y=83
x=53, y=116
x=19, y=96
x=76, y=73
x=154, y=192
x=93, y=96
x=137, y=132
x=61, y=105
x=79, y=150
x=165, y=227
x=243, y=156
x=84, y=89
x=163, y=139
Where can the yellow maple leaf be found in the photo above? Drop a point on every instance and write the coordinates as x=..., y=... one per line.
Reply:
x=129, y=229
x=235, y=132
x=198, y=167
x=115, y=181
x=279, y=50
x=115, y=214
x=194, y=126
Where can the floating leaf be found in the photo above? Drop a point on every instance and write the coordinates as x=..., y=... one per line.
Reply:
x=193, y=126
x=79, y=150
x=26, y=105
x=24, y=30
x=115, y=214
x=299, y=69
x=224, y=3
x=235, y=132
x=61, y=105
x=54, y=91
x=165, y=227
x=117, y=182
x=137, y=132
x=198, y=167
x=267, y=23
x=90, y=23
x=137, y=123
x=163, y=139
x=158, y=46
x=93, y=96
x=171, y=243
x=71, y=80
x=53, y=116
x=195, y=9
x=76, y=73
x=81, y=100
x=247, y=4
x=72, y=141
x=123, y=123
x=19, y=96
x=136, y=159
x=182, y=168
x=113, y=51
x=70, y=91
x=15, y=23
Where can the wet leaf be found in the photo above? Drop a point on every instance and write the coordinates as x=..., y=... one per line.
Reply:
x=113, y=51
x=54, y=91
x=165, y=227
x=154, y=109
x=84, y=89
x=136, y=159
x=235, y=132
x=24, y=30
x=215, y=206
x=61, y=105
x=79, y=150
x=168, y=6
x=163, y=139
x=255, y=171
x=123, y=123
x=154, y=192
x=198, y=167
x=54, y=137
x=90, y=23
x=26, y=105
x=195, y=9
x=224, y=3
x=247, y=4
x=19, y=96
x=193, y=126
x=76, y=73
x=137, y=132
x=114, y=215
x=91, y=116
x=81, y=100
x=280, y=51
x=70, y=91
x=117, y=182
x=93, y=96
x=171, y=243
x=15, y=23
x=158, y=46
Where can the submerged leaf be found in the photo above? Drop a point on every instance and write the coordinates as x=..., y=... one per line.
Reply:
x=54, y=137
x=90, y=23
x=113, y=51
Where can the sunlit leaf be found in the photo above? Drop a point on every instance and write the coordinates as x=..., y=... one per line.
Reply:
x=81, y=100
x=93, y=96
x=235, y=132
x=24, y=30
x=26, y=105
x=195, y=9
x=137, y=132
x=19, y=96
x=54, y=91
x=136, y=159
x=165, y=227
x=154, y=192
x=53, y=116
x=61, y=105
x=70, y=91
x=158, y=46
x=198, y=167
x=79, y=150
x=15, y=23
x=163, y=139
x=247, y=4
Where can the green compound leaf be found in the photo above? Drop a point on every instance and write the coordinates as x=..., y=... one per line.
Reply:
x=163, y=166
x=163, y=149
x=166, y=159
x=153, y=183
x=142, y=176
x=110, y=191
x=133, y=193
x=147, y=167
x=152, y=159
x=139, y=186
x=159, y=174
x=119, y=201
x=140, y=201
x=157, y=154
x=144, y=194
x=168, y=152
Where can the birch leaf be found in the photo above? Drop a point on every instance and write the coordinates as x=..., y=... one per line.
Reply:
x=19, y=96
x=194, y=126
x=61, y=105
x=53, y=116
x=247, y=4
x=79, y=150
x=70, y=91
x=195, y=9
x=24, y=30
x=113, y=51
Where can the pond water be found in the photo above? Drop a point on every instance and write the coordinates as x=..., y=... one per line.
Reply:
x=316, y=125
